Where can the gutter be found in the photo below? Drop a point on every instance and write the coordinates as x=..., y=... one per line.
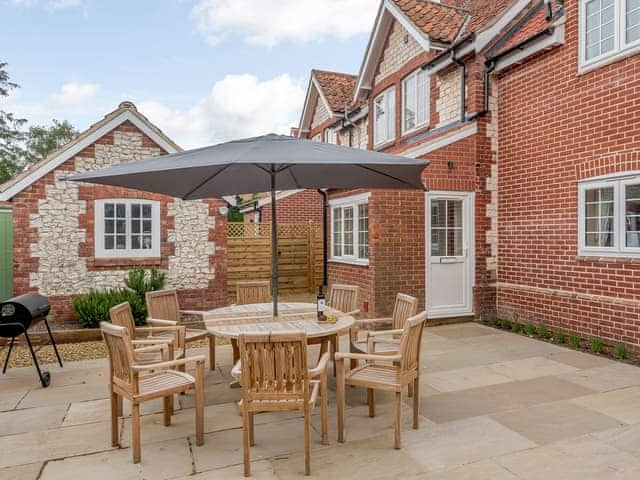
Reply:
x=325, y=249
x=463, y=85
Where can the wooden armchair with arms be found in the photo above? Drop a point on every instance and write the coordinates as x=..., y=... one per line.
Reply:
x=345, y=299
x=391, y=372
x=130, y=379
x=253, y=291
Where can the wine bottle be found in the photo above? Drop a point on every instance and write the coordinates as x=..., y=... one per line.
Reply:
x=320, y=302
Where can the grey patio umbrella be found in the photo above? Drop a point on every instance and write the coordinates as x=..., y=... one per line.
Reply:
x=262, y=164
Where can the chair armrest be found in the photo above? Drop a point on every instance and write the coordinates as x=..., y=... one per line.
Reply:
x=366, y=356
x=385, y=332
x=321, y=367
x=153, y=341
x=151, y=349
x=156, y=322
x=353, y=313
x=169, y=364
x=365, y=322
x=201, y=313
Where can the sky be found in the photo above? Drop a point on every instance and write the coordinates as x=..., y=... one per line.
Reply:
x=204, y=71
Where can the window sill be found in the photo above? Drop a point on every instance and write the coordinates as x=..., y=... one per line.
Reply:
x=613, y=58
x=358, y=263
x=608, y=258
x=127, y=262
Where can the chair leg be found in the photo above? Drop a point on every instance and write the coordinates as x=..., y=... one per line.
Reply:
x=200, y=403
x=135, y=431
x=340, y=400
x=167, y=410
x=324, y=409
x=120, y=406
x=371, y=401
x=252, y=435
x=236, y=350
x=398, y=422
x=410, y=390
x=307, y=441
x=212, y=352
x=334, y=349
x=416, y=403
x=115, y=441
x=246, y=442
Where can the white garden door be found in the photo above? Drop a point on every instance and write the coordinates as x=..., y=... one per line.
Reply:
x=450, y=257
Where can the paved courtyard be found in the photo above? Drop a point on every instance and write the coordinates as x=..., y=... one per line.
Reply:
x=494, y=406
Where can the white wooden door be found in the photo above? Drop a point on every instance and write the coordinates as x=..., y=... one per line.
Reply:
x=450, y=257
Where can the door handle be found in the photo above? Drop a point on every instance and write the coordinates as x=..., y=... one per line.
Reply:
x=448, y=259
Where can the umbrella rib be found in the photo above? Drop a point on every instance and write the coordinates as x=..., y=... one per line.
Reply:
x=386, y=175
x=295, y=179
x=208, y=179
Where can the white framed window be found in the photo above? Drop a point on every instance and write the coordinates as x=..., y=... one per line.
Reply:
x=609, y=217
x=330, y=136
x=350, y=229
x=384, y=126
x=317, y=137
x=415, y=101
x=608, y=29
x=127, y=228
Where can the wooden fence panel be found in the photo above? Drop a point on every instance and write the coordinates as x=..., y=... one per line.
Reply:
x=299, y=261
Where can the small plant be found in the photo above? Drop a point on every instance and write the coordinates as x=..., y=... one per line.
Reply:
x=506, y=324
x=493, y=321
x=558, y=337
x=516, y=327
x=140, y=282
x=574, y=340
x=543, y=331
x=597, y=346
x=93, y=307
x=620, y=351
x=530, y=329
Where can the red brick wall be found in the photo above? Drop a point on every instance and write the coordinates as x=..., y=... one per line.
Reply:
x=26, y=203
x=303, y=207
x=556, y=127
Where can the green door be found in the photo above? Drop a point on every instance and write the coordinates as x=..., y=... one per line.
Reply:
x=6, y=255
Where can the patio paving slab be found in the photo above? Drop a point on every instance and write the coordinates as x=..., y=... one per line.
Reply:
x=582, y=458
x=551, y=422
x=533, y=367
x=610, y=377
x=355, y=460
x=625, y=438
x=260, y=470
x=463, y=378
x=623, y=404
x=457, y=331
x=64, y=395
x=31, y=419
x=539, y=390
x=9, y=399
x=159, y=460
x=30, y=471
x=484, y=469
x=465, y=441
x=580, y=360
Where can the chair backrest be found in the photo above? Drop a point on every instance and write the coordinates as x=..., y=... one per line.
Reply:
x=120, y=351
x=410, y=343
x=163, y=305
x=121, y=315
x=255, y=291
x=274, y=366
x=344, y=297
x=405, y=307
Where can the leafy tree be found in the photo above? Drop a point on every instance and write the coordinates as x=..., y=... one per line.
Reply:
x=42, y=140
x=12, y=152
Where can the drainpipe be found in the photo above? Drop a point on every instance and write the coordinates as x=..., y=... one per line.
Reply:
x=325, y=202
x=486, y=75
x=463, y=85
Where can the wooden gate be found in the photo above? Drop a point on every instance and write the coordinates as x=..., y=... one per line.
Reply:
x=6, y=254
x=299, y=259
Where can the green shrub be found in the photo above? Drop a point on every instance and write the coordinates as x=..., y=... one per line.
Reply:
x=493, y=321
x=516, y=327
x=620, y=351
x=93, y=307
x=506, y=324
x=530, y=329
x=543, y=331
x=140, y=282
x=597, y=345
x=558, y=337
x=574, y=340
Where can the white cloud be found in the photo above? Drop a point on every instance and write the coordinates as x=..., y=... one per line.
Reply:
x=50, y=5
x=238, y=106
x=269, y=22
x=75, y=94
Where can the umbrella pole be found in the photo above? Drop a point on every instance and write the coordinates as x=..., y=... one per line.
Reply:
x=274, y=246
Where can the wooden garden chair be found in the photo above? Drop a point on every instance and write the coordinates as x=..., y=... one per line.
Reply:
x=345, y=299
x=385, y=372
x=140, y=383
x=164, y=310
x=254, y=291
x=274, y=377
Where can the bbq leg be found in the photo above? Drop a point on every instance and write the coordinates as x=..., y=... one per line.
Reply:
x=45, y=379
x=6, y=360
x=53, y=342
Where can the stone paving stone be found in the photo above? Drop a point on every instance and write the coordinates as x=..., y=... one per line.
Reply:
x=463, y=378
x=533, y=367
x=626, y=438
x=362, y=459
x=64, y=395
x=31, y=419
x=30, y=471
x=582, y=458
x=484, y=469
x=623, y=404
x=9, y=399
x=464, y=441
x=159, y=460
x=610, y=377
x=60, y=442
x=464, y=357
x=580, y=360
x=260, y=470
x=539, y=390
x=462, y=330
x=550, y=422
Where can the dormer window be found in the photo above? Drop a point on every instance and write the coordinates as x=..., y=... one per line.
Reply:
x=415, y=101
x=384, y=128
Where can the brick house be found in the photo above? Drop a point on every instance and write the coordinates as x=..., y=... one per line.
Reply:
x=69, y=238
x=292, y=206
